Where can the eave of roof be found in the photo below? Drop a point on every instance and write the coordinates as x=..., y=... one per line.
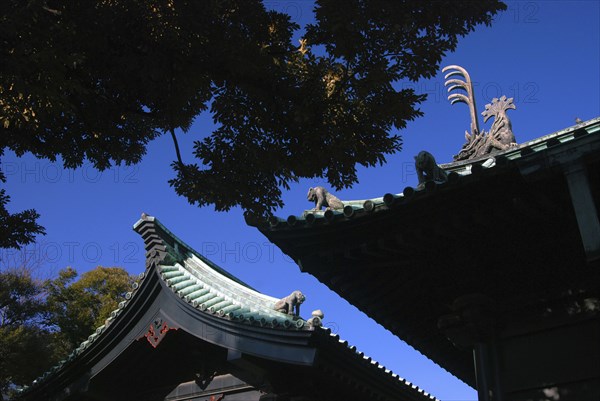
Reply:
x=379, y=373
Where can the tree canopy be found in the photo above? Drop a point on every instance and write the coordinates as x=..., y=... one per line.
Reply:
x=24, y=345
x=100, y=80
x=78, y=307
x=41, y=321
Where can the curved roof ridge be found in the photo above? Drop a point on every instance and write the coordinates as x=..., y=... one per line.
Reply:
x=205, y=285
x=182, y=244
x=355, y=204
x=219, y=298
x=207, y=269
x=458, y=172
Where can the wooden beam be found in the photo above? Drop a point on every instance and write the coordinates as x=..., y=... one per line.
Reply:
x=585, y=209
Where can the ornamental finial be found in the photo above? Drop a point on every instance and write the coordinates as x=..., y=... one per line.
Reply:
x=500, y=137
x=465, y=85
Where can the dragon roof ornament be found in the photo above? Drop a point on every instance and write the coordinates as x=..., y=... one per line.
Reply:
x=480, y=143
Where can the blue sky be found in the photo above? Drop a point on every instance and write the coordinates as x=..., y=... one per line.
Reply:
x=544, y=54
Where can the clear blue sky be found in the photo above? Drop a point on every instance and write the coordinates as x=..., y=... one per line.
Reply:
x=545, y=54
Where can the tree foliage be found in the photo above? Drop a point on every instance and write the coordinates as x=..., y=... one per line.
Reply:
x=77, y=308
x=41, y=321
x=100, y=80
x=16, y=229
x=24, y=346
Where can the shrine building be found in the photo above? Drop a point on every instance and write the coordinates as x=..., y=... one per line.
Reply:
x=189, y=330
x=491, y=270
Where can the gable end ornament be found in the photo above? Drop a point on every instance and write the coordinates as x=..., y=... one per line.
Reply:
x=157, y=331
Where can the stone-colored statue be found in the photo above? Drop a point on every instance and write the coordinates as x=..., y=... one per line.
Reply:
x=290, y=304
x=322, y=197
x=427, y=169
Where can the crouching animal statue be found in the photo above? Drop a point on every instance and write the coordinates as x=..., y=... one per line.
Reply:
x=322, y=197
x=427, y=169
x=290, y=304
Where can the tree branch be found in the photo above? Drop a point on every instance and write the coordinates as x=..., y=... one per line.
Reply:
x=176, y=147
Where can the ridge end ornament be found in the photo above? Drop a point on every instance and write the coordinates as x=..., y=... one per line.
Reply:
x=480, y=143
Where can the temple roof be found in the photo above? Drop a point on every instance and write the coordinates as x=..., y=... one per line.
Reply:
x=190, y=310
x=503, y=225
x=470, y=168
